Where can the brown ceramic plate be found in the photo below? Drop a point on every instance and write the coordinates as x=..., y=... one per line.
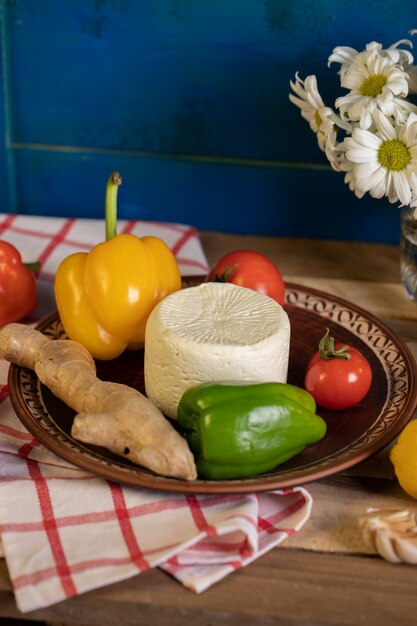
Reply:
x=352, y=436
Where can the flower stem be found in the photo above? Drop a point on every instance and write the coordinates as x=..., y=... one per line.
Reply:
x=111, y=204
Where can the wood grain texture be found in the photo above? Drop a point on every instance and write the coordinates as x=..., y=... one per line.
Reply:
x=284, y=588
x=315, y=258
x=211, y=194
x=190, y=100
x=180, y=77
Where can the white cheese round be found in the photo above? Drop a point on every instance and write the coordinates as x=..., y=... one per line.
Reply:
x=213, y=332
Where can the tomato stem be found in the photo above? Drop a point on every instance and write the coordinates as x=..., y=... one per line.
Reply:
x=224, y=278
x=33, y=266
x=327, y=350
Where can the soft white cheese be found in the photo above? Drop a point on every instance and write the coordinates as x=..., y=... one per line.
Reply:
x=213, y=332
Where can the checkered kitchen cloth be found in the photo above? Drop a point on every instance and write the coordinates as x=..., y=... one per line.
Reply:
x=65, y=531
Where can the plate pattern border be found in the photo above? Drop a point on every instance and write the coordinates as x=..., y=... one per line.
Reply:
x=400, y=374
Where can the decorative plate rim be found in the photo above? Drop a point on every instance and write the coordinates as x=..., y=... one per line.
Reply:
x=399, y=368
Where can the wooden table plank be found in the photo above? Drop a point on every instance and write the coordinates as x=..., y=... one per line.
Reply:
x=284, y=588
x=347, y=260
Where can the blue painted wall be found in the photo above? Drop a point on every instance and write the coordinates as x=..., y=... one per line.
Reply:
x=189, y=100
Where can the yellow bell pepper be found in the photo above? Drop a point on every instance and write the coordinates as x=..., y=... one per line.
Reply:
x=105, y=297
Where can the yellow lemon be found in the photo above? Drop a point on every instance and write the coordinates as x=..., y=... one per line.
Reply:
x=404, y=459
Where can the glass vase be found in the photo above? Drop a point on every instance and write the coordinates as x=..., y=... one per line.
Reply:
x=408, y=251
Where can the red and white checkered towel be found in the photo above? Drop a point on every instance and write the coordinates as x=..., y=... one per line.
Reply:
x=65, y=531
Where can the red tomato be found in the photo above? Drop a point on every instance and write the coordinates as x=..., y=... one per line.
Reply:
x=250, y=269
x=338, y=383
x=18, y=295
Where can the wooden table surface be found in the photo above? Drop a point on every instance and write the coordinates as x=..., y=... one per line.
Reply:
x=325, y=575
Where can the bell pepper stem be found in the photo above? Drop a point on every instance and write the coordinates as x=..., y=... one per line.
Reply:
x=111, y=204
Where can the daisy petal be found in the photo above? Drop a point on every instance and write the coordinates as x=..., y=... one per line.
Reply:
x=402, y=187
x=384, y=126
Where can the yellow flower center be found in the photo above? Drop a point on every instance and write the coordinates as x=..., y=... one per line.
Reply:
x=317, y=119
x=373, y=85
x=394, y=155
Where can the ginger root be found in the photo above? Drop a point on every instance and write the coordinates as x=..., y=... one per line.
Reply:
x=109, y=414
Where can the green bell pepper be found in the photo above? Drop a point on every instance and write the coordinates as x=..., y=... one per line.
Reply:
x=238, y=430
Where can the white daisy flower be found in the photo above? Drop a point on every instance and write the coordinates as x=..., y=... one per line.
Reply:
x=351, y=182
x=380, y=156
x=348, y=166
x=334, y=151
x=375, y=82
x=385, y=162
x=322, y=119
x=398, y=55
x=346, y=55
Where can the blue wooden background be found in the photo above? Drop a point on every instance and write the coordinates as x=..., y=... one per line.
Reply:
x=189, y=100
